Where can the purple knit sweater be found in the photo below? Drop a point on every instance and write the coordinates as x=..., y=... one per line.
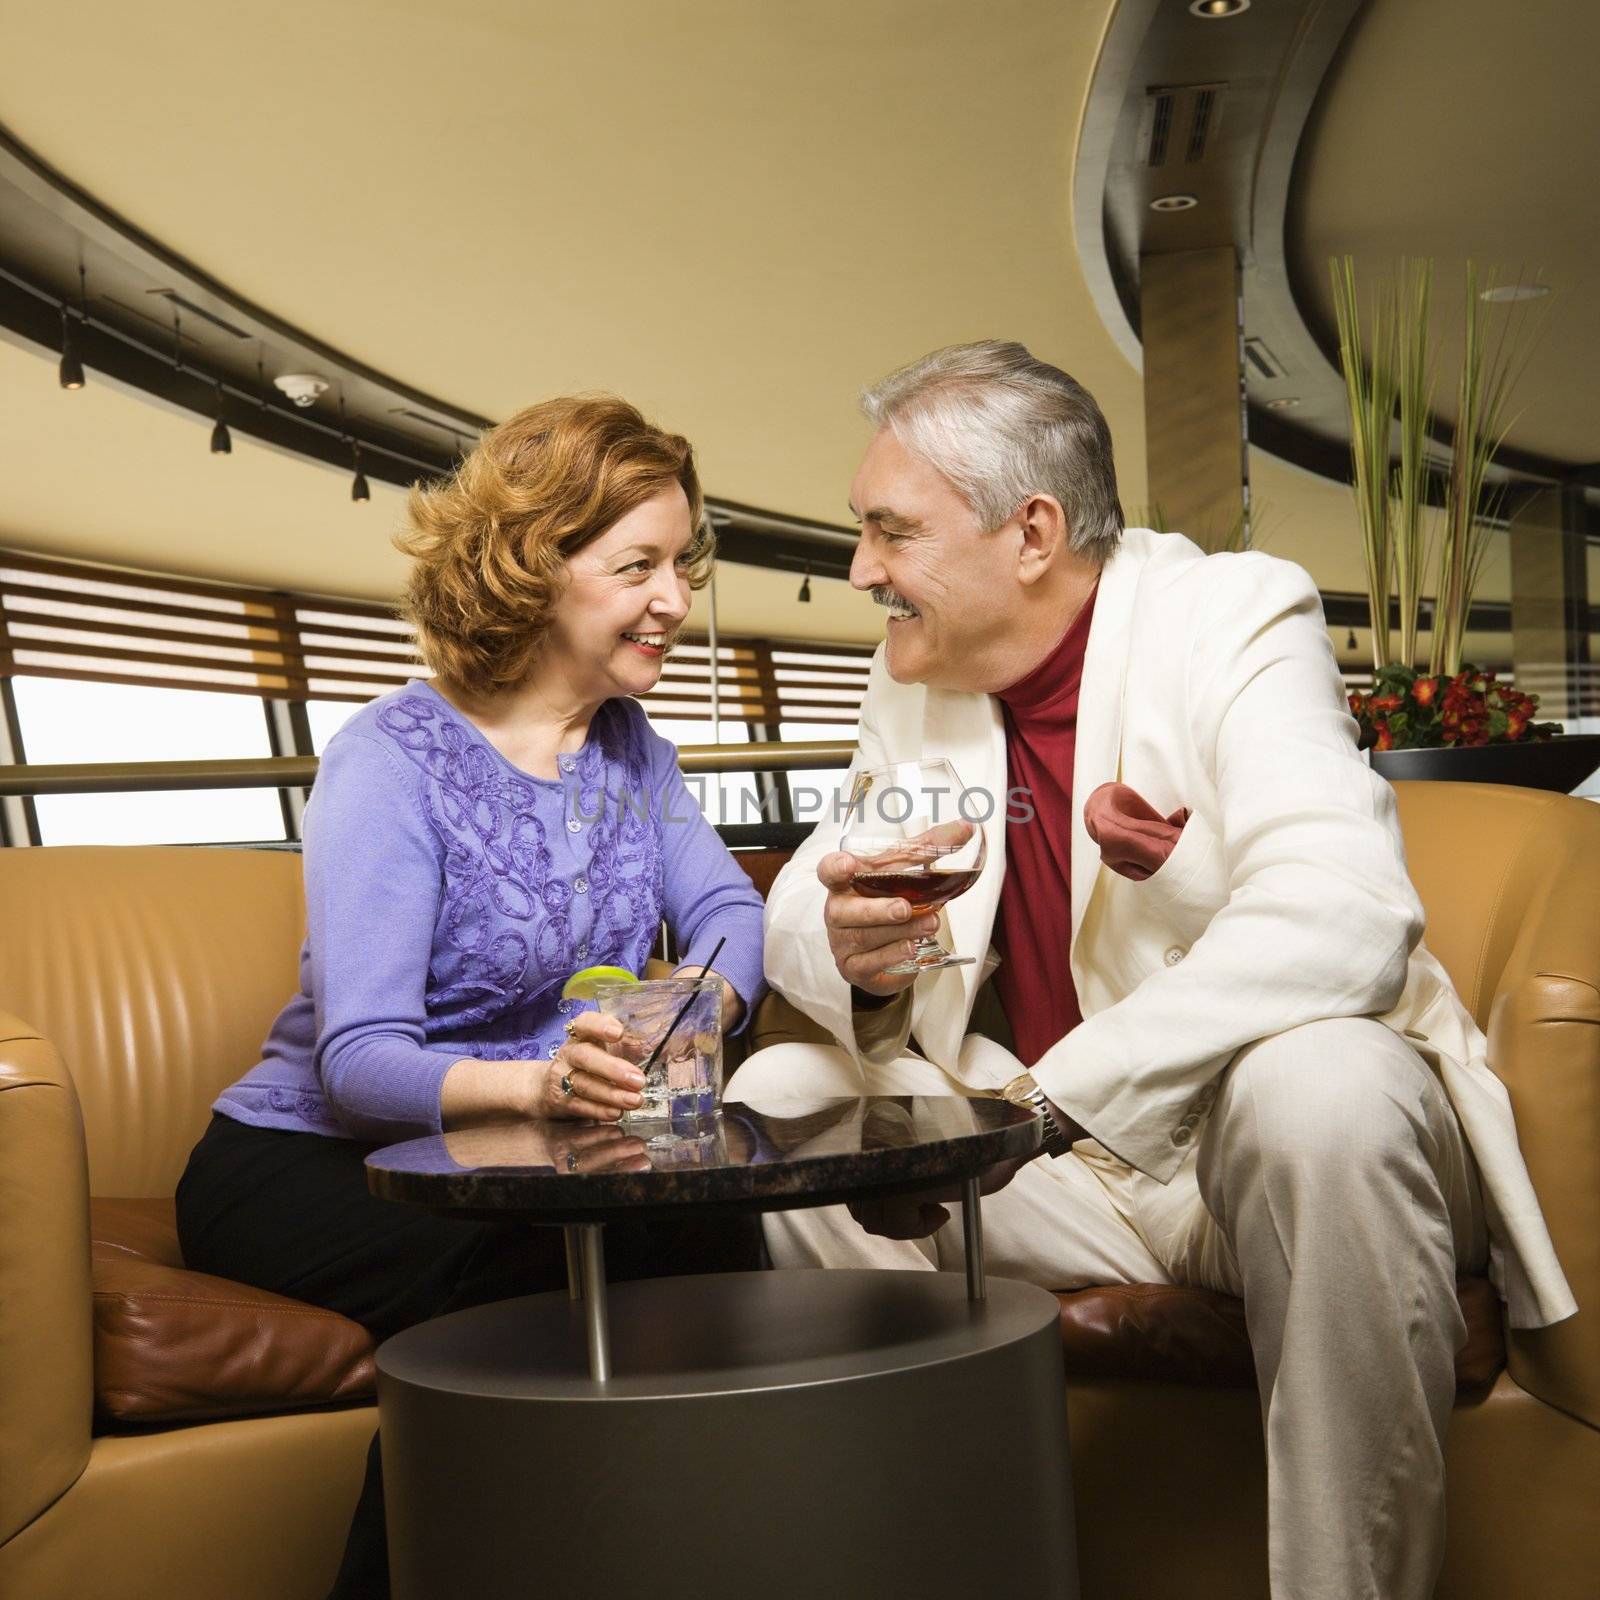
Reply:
x=449, y=895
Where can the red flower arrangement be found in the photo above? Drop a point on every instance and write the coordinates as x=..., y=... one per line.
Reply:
x=1408, y=711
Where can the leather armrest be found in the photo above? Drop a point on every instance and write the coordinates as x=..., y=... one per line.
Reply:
x=46, y=1324
x=1544, y=1043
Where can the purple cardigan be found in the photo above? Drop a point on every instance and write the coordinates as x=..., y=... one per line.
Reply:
x=449, y=895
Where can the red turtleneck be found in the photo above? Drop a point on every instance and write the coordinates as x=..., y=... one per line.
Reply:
x=1035, y=922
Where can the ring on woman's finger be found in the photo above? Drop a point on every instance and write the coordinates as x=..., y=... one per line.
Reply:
x=570, y=1024
x=572, y=1161
x=566, y=1086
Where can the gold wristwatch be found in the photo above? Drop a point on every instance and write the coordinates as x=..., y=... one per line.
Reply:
x=1024, y=1090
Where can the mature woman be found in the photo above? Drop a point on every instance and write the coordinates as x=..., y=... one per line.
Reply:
x=471, y=842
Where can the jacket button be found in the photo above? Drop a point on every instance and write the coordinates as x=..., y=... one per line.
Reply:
x=573, y=824
x=1174, y=955
x=581, y=885
x=1182, y=1134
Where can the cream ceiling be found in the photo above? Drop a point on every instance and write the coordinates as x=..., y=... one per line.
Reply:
x=1464, y=129
x=733, y=213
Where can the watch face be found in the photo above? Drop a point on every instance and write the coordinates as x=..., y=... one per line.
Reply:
x=1021, y=1091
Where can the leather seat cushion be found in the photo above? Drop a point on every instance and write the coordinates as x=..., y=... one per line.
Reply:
x=1173, y=1334
x=178, y=1346
x=172, y=1345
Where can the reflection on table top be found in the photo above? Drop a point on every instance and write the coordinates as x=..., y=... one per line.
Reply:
x=812, y=1153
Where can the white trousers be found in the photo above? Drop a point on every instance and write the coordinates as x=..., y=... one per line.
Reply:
x=1331, y=1189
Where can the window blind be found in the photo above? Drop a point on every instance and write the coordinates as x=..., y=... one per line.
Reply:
x=64, y=619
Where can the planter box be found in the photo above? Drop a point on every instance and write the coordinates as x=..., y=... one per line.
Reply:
x=1561, y=763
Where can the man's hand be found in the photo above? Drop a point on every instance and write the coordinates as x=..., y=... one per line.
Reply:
x=916, y=1216
x=867, y=935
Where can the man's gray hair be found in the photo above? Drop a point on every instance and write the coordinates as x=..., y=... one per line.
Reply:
x=1002, y=425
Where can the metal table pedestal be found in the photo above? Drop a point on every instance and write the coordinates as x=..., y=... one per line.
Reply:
x=846, y=1433
x=586, y=1273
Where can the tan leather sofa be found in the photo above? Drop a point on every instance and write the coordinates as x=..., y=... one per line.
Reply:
x=155, y=1436
x=147, y=980
x=153, y=974
x=1167, y=1461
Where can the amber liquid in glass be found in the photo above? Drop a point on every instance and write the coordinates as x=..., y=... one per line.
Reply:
x=902, y=857
x=927, y=887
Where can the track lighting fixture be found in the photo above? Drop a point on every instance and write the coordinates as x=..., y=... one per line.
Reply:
x=1350, y=641
x=358, y=484
x=188, y=371
x=71, y=370
x=221, y=439
x=805, y=588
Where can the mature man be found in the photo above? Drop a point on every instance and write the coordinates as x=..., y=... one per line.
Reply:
x=1266, y=1083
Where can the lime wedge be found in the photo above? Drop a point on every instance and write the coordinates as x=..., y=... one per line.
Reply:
x=586, y=984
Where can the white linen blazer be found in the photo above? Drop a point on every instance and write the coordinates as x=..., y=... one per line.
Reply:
x=1208, y=682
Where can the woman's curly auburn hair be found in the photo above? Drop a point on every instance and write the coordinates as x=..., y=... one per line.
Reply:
x=490, y=543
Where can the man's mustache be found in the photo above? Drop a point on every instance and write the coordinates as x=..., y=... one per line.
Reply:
x=890, y=597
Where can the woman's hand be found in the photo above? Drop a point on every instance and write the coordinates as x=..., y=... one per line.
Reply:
x=584, y=1079
x=576, y=1147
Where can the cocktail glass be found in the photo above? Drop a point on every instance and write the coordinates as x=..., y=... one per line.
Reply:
x=683, y=1069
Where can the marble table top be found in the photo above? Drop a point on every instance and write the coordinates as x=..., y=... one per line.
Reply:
x=818, y=1153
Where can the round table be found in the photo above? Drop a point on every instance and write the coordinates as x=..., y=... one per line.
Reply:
x=858, y=1432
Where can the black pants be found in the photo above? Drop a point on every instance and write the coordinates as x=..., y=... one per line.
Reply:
x=290, y=1212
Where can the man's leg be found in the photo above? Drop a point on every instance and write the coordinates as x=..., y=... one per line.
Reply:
x=1339, y=1179
x=1053, y=1224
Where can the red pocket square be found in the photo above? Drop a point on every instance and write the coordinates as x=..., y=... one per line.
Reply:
x=1134, y=838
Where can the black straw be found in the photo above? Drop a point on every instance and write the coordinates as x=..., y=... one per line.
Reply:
x=685, y=1008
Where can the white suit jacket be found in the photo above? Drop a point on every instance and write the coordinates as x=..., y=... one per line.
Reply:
x=1208, y=682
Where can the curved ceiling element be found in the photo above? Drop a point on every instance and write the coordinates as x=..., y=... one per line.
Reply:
x=152, y=322
x=1212, y=108
x=1296, y=146
x=155, y=324
x=1455, y=130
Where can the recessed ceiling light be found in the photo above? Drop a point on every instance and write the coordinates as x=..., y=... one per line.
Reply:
x=1174, y=202
x=1215, y=10
x=1282, y=403
x=1504, y=293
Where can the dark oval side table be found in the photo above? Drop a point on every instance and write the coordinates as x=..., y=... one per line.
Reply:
x=857, y=1433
